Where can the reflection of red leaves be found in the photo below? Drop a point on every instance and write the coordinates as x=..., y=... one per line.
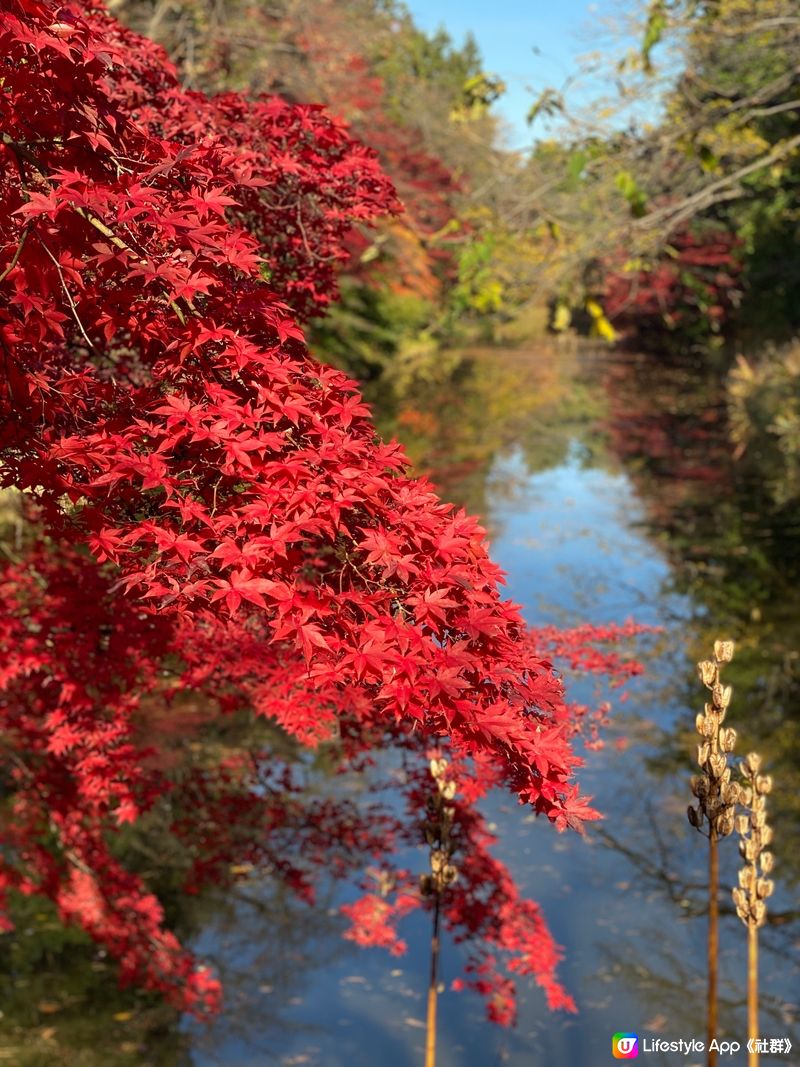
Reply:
x=372, y=924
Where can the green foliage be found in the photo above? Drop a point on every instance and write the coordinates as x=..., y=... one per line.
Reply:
x=548, y=104
x=633, y=193
x=367, y=329
x=477, y=289
x=59, y=994
x=478, y=94
x=735, y=115
x=654, y=31
x=410, y=61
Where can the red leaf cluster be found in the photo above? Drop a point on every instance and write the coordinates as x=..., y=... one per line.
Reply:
x=692, y=287
x=158, y=408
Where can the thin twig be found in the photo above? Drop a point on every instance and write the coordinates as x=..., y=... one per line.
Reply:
x=68, y=294
x=17, y=254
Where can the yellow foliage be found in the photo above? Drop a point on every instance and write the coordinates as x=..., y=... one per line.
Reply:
x=562, y=317
x=601, y=327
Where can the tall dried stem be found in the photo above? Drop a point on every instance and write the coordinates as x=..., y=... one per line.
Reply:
x=712, y=1006
x=714, y=815
x=438, y=829
x=433, y=988
x=750, y=896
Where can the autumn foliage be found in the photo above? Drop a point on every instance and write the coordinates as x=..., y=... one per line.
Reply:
x=691, y=288
x=215, y=512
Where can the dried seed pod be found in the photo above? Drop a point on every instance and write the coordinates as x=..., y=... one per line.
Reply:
x=716, y=762
x=699, y=786
x=448, y=790
x=764, y=784
x=703, y=752
x=758, y=889
x=731, y=793
x=425, y=885
x=449, y=874
x=724, y=822
x=742, y=824
x=721, y=695
x=727, y=740
x=695, y=817
x=708, y=672
x=739, y=898
x=751, y=764
x=438, y=767
x=723, y=651
x=437, y=861
x=710, y=725
x=699, y=722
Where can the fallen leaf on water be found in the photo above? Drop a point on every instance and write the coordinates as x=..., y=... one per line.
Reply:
x=657, y=1023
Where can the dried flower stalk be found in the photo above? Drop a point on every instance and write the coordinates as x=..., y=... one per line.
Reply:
x=750, y=896
x=438, y=829
x=713, y=816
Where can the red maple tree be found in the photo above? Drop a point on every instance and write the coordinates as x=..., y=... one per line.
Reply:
x=211, y=500
x=691, y=289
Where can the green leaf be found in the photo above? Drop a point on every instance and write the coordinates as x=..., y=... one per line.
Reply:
x=629, y=187
x=653, y=31
x=576, y=165
x=547, y=104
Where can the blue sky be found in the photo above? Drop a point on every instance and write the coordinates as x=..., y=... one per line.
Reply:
x=507, y=31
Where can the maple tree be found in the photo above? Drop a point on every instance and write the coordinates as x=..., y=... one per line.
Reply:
x=690, y=289
x=214, y=512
